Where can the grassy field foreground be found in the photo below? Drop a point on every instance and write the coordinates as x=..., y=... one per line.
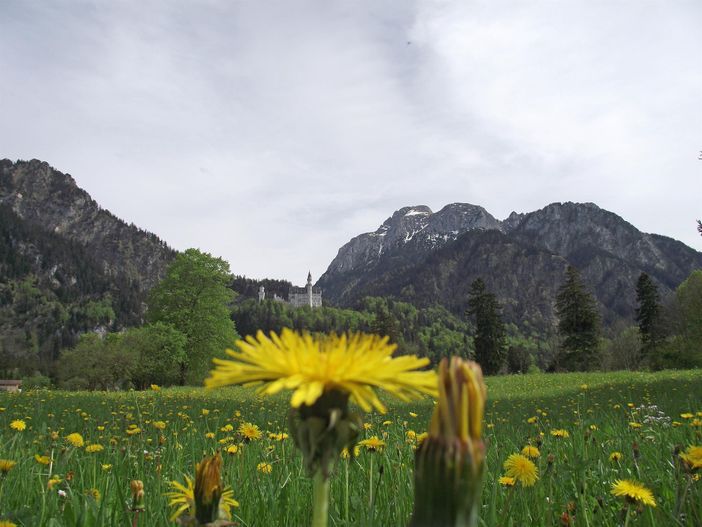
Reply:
x=590, y=430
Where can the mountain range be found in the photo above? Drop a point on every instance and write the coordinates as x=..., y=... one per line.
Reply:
x=427, y=257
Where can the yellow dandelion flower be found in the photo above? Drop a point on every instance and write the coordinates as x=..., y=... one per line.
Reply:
x=182, y=497
x=93, y=493
x=42, y=460
x=507, y=481
x=155, y=388
x=264, y=468
x=692, y=457
x=251, y=432
x=92, y=449
x=687, y=415
x=367, y=426
x=696, y=422
x=19, y=425
x=532, y=420
x=615, y=456
x=6, y=465
x=560, y=433
x=635, y=425
x=7, y=523
x=373, y=444
x=159, y=425
x=522, y=469
x=227, y=428
x=355, y=364
x=531, y=452
x=633, y=492
x=232, y=449
x=209, y=435
x=106, y=467
x=412, y=414
x=205, y=412
x=411, y=436
x=421, y=437
x=133, y=431
x=75, y=439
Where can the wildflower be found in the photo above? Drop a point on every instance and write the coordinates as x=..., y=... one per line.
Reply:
x=159, y=425
x=205, y=500
x=345, y=454
x=6, y=465
x=7, y=523
x=92, y=449
x=450, y=461
x=412, y=414
x=280, y=436
x=155, y=388
x=532, y=420
x=560, y=433
x=209, y=435
x=53, y=481
x=42, y=460
x=411, y=436
x=264, y=468
x=93, y=493
x=133, y=430
x=531, y=452
x=522, y=469
x=687, y=415
x=633, y=492
x=232, y=449
x=354, y=364
x=635, y=425
x=373, y=444
x=615, y=457
x=227, y=428
x=75, y=439
x=205, y=412
x=106, y=467
x=19, y=425
x=137, y=488
x=507, y=481
x=692, y=457
x=367, y=426
x=251, y=432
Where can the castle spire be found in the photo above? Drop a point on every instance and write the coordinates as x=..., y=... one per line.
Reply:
x=309, y=277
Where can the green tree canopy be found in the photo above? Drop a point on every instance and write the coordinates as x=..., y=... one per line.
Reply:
x=194, y=298
x=489, y=339
x=578, y=324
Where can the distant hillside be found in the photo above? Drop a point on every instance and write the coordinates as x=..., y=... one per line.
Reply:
x=43, y=196
x=66, y=265
x=425, y=258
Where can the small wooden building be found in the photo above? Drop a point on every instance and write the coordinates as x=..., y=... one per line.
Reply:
x=10, y=385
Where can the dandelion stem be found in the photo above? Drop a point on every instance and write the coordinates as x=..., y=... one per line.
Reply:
x=370, y=483
x=346, y=492
x=320, y=499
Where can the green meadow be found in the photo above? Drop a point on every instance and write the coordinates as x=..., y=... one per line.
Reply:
x=158, y=436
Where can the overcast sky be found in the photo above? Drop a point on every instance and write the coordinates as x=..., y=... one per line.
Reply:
x=271, y=132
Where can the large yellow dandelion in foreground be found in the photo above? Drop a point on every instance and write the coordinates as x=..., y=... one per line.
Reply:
x=633, y=492
x=522, y=469
x=355, y=364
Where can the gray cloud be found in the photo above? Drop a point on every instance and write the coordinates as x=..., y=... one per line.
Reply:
x=270, y=133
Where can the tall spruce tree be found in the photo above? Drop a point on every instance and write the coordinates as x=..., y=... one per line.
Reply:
x=648, y=315
x=489, y=338
x=578, y=325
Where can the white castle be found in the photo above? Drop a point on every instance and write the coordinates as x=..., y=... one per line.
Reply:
x=298, y=296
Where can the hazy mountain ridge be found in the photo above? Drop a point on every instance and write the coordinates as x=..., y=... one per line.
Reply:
x=522, y=259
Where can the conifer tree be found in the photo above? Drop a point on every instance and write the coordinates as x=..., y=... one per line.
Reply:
x=578, y=324
x=648, y=315
x=489, y=338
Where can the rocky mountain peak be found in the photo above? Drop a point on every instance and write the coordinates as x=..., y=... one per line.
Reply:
x=412, y=230
x=43, y=196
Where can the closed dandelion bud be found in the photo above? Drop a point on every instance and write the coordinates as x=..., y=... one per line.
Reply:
x=449, y=463
x=137, y=488
x=208, y=489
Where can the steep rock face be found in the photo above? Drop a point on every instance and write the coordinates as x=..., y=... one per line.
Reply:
x=522, y=259
x=48, y=198
x=410, y=233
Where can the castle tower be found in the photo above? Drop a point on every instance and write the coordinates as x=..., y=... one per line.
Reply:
x=309, y=288
x=261, y=294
